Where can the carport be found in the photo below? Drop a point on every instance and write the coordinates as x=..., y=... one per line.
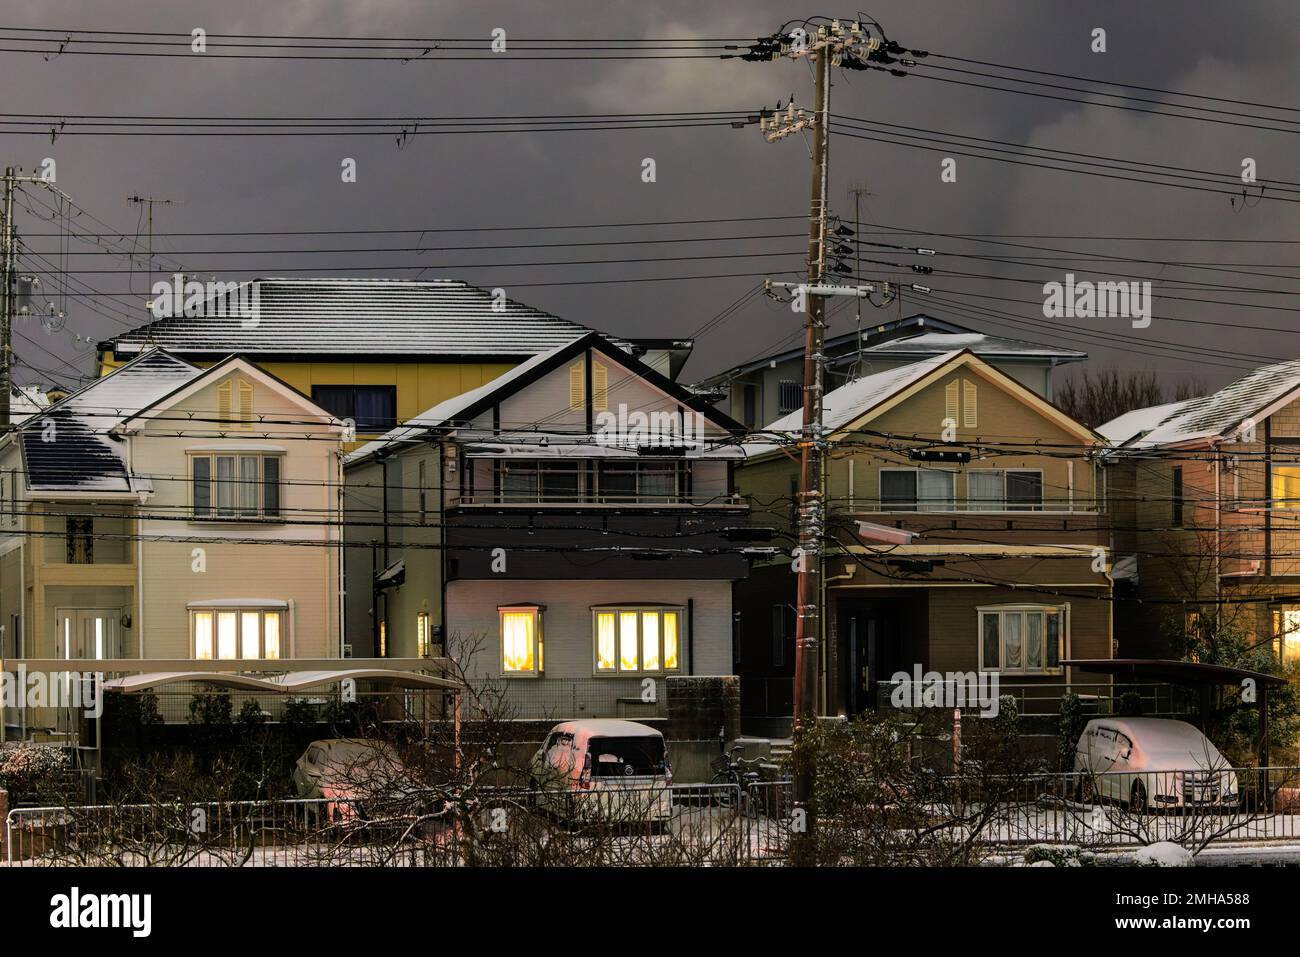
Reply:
x=1191, y=674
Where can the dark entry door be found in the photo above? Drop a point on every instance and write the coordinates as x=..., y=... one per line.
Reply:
x=872, y=650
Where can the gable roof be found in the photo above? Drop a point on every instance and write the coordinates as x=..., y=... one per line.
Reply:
x=857, y=400
x=1256, y=395
x=916, y=335
x=460, y=409
x=67, y=447
x=440, y=318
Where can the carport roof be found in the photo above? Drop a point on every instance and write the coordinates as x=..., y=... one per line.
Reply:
x=290, y=683
x=1177, y=672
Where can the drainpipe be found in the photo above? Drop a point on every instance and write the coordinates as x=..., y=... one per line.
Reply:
x=341, y=502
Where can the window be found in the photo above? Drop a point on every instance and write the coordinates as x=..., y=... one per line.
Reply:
x=637, y=640
x=1286, y=633
x=790, y=396
x=540, y=480
x=910, y=490
x=422, y=645
x=234, y=633
x=1004, y=490
x=641, y=482
x=1176, y=496
x=1286, y=486
x=235, y=486
x=749, y=399
x=383, y=638
x=1023, y=639
x=372, y=407
x=80, y=537
x=521, y=640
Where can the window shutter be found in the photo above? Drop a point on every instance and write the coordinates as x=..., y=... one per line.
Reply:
x=245, y=404
x=576, y=397
x=223, y=402
x=969, y=411
x=950, y=396
x=599, y=387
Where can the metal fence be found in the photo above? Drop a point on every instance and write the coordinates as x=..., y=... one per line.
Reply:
x=678, y=825
x=1127, y=808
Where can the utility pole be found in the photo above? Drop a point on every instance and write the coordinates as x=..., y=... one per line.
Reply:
x=832, y=44
x=8, y=272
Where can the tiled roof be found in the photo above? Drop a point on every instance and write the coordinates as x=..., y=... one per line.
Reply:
x=398, y=317
x=1209, y=416
x=66, y=447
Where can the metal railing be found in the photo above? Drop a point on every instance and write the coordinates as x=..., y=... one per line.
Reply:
x=717, y=824
x=1042, y=698
x=564, y=699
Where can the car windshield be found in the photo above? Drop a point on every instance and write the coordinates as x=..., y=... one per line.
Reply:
x=616, y=757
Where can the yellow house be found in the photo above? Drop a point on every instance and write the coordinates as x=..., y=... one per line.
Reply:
x=373, y=351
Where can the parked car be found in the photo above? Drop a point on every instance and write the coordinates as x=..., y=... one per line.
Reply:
x=604, y=770
x=1152, y=763
x=347, y=772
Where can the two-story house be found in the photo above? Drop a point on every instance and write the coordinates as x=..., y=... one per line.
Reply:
x=768, y=387
x=167, y=511
x=1205, y=499
x=1006, y=570
x=574, y=520
x=373, y=351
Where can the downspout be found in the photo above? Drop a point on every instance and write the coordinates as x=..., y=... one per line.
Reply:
x=341, y=502
x=441, y=470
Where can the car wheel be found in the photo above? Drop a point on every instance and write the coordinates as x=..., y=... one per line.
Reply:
x=1137, y=802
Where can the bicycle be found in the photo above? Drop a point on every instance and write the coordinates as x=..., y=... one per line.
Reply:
x=740, y=773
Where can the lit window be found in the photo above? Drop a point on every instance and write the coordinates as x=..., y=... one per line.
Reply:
x=521, y=640
x=1286, y=633
x=237, y=633
x=383, y=639
x=1023, y=639
x=422, y=635
x=637, y=640
x=1286, y=486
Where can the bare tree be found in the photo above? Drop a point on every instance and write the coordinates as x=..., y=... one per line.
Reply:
x=1097, y=398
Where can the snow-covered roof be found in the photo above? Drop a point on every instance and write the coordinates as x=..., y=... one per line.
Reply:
x=67, y=447
x=1208, y=417
x=343, y=316
x=985, y=346
x=458, y=411
x=853, y=400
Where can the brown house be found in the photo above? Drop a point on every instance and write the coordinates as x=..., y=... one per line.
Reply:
x=1205, y=502
x=1008, y=568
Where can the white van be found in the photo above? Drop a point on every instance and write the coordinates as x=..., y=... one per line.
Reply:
x=1152, y=763
x=604, y=770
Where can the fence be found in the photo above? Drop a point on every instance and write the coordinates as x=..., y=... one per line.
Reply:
x=679, y=825
x=717, y=825
x=1043, y=698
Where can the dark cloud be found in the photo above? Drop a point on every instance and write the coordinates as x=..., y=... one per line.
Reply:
x=246, y=183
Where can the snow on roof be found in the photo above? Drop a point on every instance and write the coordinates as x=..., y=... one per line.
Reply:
x=447, y=410
x=1209, y=416
x=67, y=447
x=342, y=316
x=932, y=343
x=854, y=399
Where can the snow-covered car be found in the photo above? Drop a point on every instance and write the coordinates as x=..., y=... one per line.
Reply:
x=604, y=770
x=1152, y=763
x=347, y=772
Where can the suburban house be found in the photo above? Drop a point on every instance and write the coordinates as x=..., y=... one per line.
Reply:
x=769, y=387
x=231, y=478
x=1205, y=500
x=569, y=529
x=1006, y=569
x=372, y=351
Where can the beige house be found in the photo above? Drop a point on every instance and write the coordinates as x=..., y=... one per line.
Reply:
x=1007, y=566
x=171, y=512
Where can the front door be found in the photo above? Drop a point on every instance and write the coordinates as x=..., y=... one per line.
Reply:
x=873, y=652
x=87, y=633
